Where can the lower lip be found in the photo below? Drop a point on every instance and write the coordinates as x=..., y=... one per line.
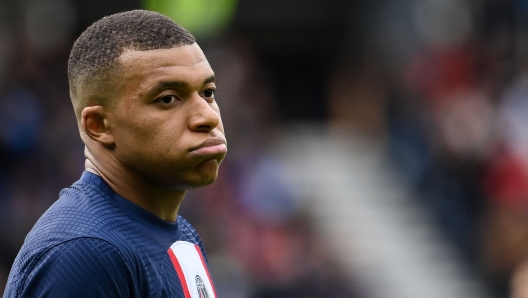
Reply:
x=211, y=150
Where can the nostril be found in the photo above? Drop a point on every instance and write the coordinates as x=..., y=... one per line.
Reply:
x=205, y=127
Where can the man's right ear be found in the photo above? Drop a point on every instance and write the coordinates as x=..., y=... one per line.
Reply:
x=95, y=124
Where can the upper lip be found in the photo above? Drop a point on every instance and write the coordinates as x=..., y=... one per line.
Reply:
x=210, y=142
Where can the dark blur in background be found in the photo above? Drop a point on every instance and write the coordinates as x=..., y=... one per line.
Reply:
x=377, y=148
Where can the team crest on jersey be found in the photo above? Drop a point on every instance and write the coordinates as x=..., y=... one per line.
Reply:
x=202, y=291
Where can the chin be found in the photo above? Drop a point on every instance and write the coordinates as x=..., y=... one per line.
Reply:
x=201, y=183
x=206, y=174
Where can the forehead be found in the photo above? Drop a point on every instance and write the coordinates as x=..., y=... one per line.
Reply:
x=184, y=62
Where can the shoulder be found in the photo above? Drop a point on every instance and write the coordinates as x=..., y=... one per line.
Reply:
x=189, y=234
x=83, y=227
x=80, y=267
x=81, y=211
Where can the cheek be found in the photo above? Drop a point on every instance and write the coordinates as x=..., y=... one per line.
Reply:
x=149, y=132
x=165, y=138
x=135, y=131
x=135, y=134
x=220, y=127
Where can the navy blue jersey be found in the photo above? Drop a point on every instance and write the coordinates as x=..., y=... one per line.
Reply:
x=94, y=243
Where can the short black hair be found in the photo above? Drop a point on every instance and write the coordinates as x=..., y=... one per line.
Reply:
x=97, y=50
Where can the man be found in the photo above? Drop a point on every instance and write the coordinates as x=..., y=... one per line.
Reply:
x=143, y=93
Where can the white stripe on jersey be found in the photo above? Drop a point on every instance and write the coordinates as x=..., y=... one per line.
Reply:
x=189, y=257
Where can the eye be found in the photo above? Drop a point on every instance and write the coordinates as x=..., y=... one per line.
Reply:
x=209, y=93
x=167, y=99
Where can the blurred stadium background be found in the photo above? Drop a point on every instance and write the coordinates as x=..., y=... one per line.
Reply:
x=377, y=149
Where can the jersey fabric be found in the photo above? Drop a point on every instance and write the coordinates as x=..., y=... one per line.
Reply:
x=94, y=243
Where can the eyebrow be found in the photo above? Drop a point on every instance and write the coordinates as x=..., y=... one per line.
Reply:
x=180, y=84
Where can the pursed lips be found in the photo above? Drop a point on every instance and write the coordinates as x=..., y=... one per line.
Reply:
x=212, y=146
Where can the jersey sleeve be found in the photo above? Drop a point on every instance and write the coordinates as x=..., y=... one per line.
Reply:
x=83, y=267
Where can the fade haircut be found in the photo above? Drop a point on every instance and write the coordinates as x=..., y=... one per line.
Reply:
x=95, y=54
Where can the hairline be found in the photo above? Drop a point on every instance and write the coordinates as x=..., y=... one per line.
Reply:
x=102, y=77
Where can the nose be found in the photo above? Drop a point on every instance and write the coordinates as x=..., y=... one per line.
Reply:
x=204, y=116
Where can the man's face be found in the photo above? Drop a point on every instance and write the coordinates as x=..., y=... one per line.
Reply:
x=165, y=121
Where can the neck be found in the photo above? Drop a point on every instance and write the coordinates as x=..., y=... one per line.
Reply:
x=160, y=202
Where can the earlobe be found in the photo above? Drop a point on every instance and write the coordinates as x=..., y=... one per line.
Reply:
x=96, y=126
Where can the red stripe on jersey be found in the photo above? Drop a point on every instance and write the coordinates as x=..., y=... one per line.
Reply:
x=179, y=271
x=199, y=251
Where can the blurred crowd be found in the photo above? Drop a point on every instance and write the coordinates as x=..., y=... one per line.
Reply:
x=445, y=83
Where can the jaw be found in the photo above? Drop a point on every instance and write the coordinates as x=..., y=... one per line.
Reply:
x=205, y=174
x=202, y=175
